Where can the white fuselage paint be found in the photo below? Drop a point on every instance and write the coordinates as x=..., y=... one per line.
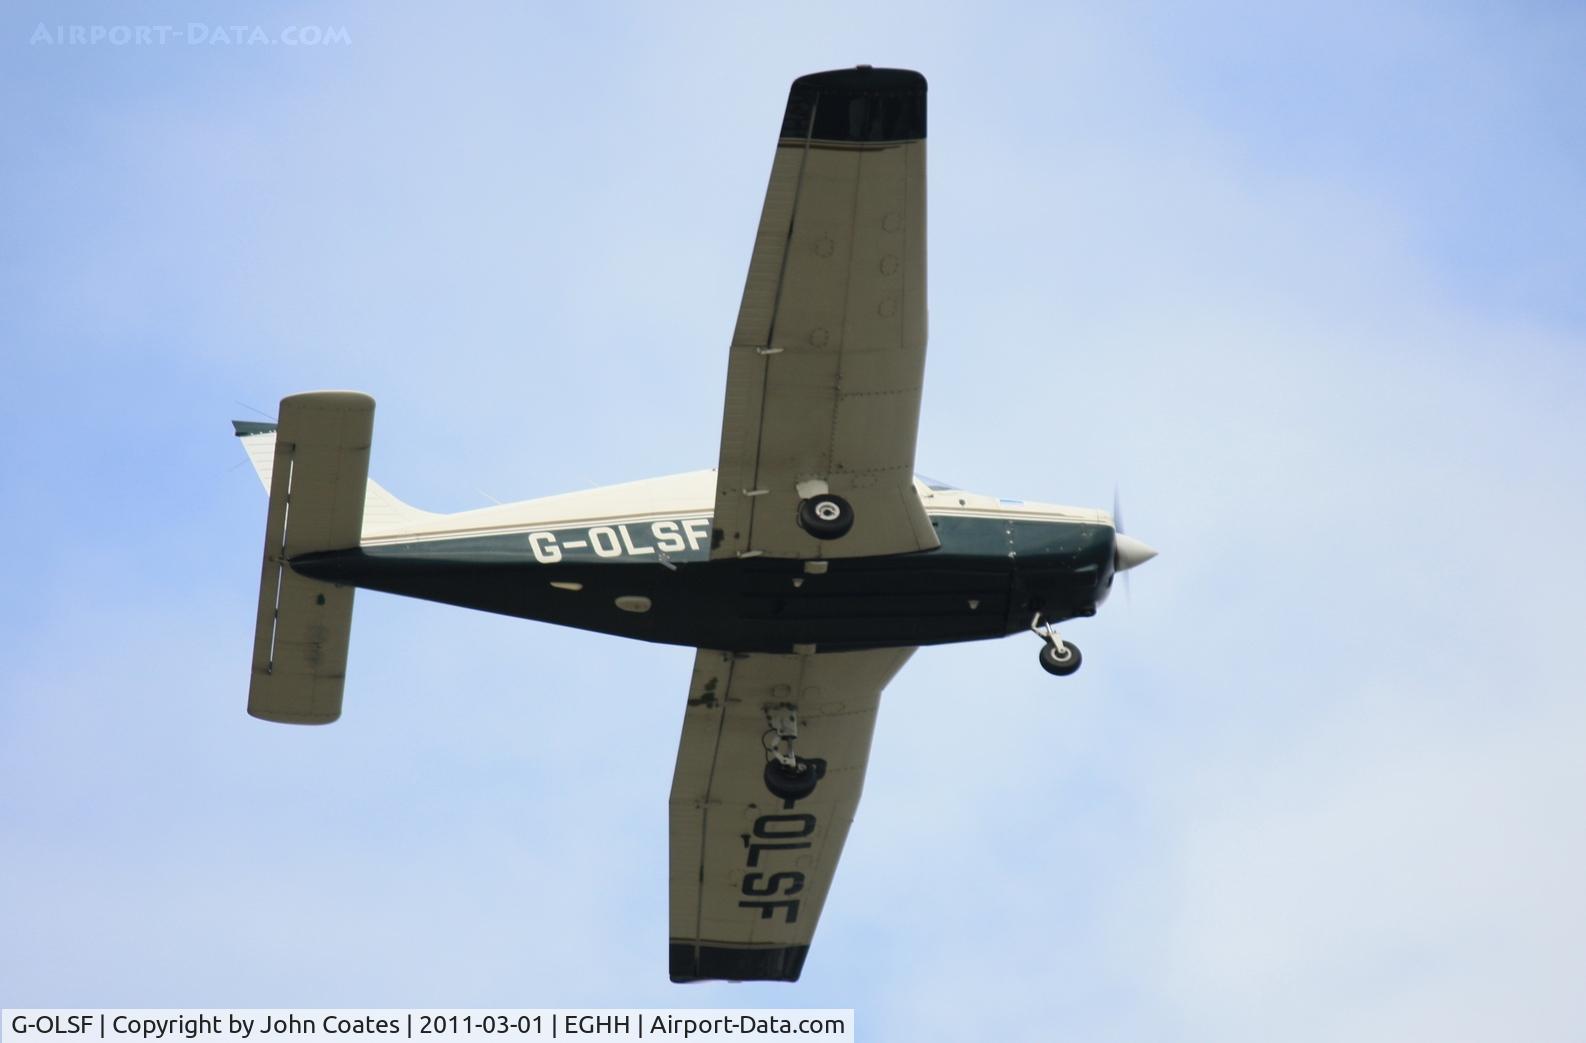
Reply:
x=653, y=518
x=657, y=517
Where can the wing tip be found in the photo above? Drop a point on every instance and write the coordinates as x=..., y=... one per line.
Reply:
x=699, y=961
x=862, y=104
x=864, y=77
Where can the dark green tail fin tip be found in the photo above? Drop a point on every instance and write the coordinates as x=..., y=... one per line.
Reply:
x=251, y=427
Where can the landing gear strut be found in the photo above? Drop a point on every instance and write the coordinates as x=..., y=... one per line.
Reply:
x=787, y=775
x=1058, y=657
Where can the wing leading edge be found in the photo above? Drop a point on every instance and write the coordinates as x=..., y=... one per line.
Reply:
x=750, y=872
x=828, y=355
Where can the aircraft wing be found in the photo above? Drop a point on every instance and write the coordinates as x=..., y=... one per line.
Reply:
x=828, y=355
x=749, y=871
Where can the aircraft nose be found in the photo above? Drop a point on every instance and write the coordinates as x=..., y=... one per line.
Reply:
x=1129, y=552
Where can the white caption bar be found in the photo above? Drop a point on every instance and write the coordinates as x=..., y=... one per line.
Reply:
x=219, y=1025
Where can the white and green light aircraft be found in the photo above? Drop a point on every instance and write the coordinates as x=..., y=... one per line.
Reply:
x=806, y=568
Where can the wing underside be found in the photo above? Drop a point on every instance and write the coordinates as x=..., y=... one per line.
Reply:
x=750, y=872
x=828, y=354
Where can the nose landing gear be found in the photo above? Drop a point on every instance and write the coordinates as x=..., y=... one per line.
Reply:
x=1058, y=657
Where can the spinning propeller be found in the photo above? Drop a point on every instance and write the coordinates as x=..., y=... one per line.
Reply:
x=1127, y=551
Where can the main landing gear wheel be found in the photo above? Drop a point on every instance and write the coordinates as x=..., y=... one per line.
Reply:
x=1060, y=659
x=791, y=783
x=788, y=776
x=826, y=517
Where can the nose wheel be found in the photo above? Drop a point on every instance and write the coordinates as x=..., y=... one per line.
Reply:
x=1058, y=657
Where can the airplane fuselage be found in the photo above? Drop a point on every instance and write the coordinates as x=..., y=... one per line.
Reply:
x=651, y=577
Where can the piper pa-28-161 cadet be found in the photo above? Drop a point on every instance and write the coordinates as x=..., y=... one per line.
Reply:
x=806, y=568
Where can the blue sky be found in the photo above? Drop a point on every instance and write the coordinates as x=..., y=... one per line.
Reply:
x=1304, y=282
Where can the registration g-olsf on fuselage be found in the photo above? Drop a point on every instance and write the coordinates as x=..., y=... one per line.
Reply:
x=805, y=568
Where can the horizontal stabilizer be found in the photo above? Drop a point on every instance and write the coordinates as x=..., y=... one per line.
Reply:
x=317, y=487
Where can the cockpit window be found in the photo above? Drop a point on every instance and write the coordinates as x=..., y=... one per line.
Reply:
x=935, y=484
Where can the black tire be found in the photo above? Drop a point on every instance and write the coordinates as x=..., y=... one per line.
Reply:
x=791, y=785
x=826, y=517
x=1060, y=664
